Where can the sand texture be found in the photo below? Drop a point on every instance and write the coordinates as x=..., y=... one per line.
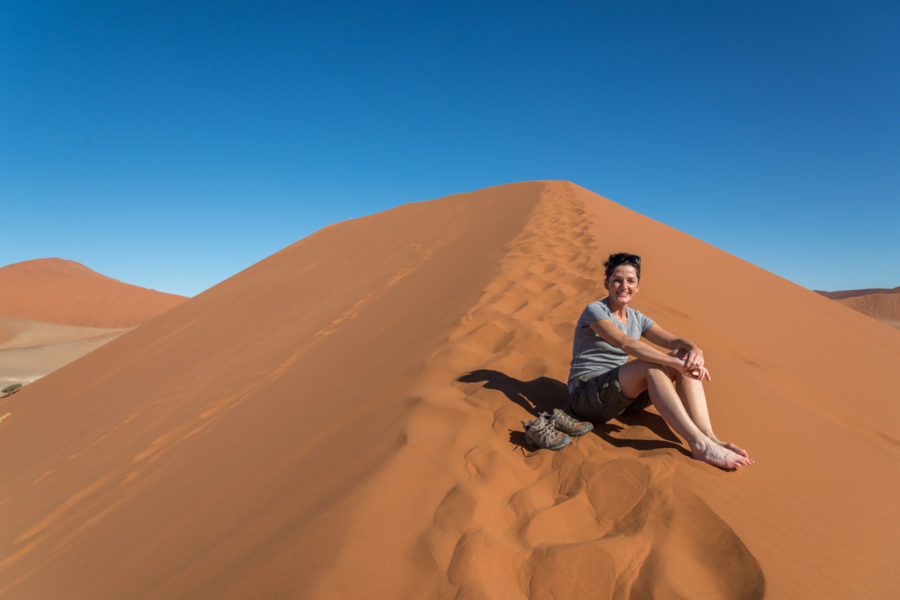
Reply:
x=60, y=291
x=342, y=420
x=881, y=304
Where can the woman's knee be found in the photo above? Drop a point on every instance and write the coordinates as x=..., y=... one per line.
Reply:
x=635, y=376
x=669, y=372
x=684, y=379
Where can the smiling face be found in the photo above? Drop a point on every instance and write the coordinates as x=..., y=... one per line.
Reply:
x=622, y=284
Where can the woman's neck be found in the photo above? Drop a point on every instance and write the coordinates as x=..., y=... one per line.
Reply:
x=620, y=311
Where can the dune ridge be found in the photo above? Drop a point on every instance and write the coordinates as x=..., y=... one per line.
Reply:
x=343, y=420
x=842, y=294
x=60, y=291
x=581, y=522
x=881, y=304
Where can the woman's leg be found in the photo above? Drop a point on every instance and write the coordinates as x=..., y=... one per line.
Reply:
x=638, y=375
x=691, y=391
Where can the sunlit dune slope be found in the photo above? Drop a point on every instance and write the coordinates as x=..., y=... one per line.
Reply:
x=61, y=291
x=342, y=420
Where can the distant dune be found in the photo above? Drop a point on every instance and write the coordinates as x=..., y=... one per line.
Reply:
x=54, y=290
x=342, y=420
x=881, y=304
x=53, y=311
x=30, y=350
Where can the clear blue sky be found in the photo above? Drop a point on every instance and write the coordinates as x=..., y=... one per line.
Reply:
x=173, y=144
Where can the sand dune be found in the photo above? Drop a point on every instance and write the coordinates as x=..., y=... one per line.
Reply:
x=30, y=350
x=341, y=420
x=61, y=291
x=53, y=311
x=881, y=304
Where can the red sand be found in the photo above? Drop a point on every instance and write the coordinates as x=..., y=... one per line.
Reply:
x=341, y=420
x=66, y=292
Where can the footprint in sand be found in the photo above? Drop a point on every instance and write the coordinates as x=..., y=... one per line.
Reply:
x=645, y=536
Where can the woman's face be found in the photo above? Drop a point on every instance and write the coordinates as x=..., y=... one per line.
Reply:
x=622, y=284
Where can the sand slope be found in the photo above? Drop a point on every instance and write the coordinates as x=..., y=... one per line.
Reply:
x=881, y=304
x=61, y=291
x=342, y=420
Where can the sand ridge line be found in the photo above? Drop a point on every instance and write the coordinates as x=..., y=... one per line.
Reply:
x=172, y=408
x=496, y=520
x=575, y=511
x=444, y=434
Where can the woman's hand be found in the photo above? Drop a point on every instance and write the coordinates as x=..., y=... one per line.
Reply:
x=693, y=360
x=693, y=364
x=699, y=373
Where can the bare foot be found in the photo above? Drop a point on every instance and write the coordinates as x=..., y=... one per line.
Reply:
x=734, y=448
x=719, y=454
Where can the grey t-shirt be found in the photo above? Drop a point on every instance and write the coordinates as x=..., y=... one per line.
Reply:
x=591, y=354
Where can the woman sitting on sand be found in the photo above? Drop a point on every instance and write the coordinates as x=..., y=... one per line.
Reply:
x=603, y=385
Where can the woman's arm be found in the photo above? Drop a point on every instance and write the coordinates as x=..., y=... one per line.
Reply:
x=691, y=353
x=634, y=346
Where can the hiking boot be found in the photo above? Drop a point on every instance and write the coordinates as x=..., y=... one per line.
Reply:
x=543, y=434
x=567, y=424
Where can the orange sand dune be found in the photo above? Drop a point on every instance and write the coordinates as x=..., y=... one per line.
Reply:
x=63, y=291
x=341, y=420
x=881, y=304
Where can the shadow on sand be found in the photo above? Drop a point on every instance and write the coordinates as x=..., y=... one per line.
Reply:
x=545, y=393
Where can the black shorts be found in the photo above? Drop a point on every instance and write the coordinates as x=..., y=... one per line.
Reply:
x=601, y=399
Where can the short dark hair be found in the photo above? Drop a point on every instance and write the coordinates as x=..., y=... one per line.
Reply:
x=622, y=258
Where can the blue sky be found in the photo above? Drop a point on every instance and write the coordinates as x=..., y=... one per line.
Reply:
x=173, y=144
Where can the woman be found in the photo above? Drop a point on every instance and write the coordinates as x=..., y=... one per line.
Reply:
x=603, y=385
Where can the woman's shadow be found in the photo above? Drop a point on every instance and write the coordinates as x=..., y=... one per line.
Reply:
x=545, y=393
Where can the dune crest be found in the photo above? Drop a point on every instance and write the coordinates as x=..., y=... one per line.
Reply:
x=343, y=420
x=60, y=291
x=881, y=304
x=499, y=524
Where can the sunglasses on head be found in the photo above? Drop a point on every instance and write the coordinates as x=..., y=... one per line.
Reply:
x=622, y=258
